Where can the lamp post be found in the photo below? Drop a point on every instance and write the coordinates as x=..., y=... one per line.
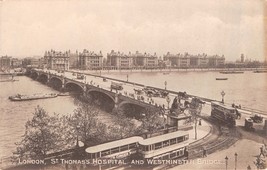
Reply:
x=226, y=162
x=168, y=101
x=77, y=131
x=165, y=83
x=223, y=94
x=235, y=160
x=127, y=77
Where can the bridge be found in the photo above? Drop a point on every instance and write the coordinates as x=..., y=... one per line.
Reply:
x=98, y=88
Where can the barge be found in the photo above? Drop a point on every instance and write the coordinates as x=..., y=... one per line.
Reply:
x=19, y=97
x=221, y=78
x=232, y=72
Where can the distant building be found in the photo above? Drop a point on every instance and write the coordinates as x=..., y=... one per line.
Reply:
x=150, y=61
x=119, y=60
x=145, y=60
x=90, y=60
x=216, y=61
x=242, y=58
x=57, y=60
x=41, y=63
x=31, y=62
x=5, y=62
x=16, y=63
x=73, y=60
x=201, y=60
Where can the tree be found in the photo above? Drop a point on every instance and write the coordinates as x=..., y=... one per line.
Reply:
x=83, y=123
x=195, y=108
x=123, y=127
x=40, y=137
x=151, y=120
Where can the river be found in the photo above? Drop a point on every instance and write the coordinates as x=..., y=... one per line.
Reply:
x=248, y=89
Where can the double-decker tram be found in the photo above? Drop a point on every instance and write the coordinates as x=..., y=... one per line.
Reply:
x=168, y=146
x=223, y=113
x=114, y=150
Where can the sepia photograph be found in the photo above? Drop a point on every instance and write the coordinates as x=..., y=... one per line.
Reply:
x=133, y=85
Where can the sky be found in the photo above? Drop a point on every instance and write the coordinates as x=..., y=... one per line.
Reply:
x=222, y=27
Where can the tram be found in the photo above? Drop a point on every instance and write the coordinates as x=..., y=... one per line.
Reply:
x=118, y=149
x=168, y=146
x=223, y=113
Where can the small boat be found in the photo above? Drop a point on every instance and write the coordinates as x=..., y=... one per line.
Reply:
x=232, y=72
x=9, y=80
x=260, y=71
x=19, y=97
x=64, y=94
x=165, y=73
x=221, y=78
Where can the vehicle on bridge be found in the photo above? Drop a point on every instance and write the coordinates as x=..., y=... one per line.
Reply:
x=116, y=86
x=168, y=146
x=183, y=95
x=249, y=124
x=152, y=92
x=80, y=76
x=223, y=113
x=257, y=118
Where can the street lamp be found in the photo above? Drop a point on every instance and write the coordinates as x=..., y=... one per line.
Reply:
x=127, y=77
x=223, y=94
x=165, y=83
x=235, y=160
x=168, y=101
x=226, y=162
x=77, y=131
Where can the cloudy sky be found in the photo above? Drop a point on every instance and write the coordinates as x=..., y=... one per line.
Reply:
x=29, y=27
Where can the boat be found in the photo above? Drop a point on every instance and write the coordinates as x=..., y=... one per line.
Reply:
x=221, y=78
x=9, y=80
x=260, y=71
x=19, y=97
x=64, y=94
x=165, y=73
x=232, y=72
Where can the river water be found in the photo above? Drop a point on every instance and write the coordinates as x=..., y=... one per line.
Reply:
x=248, y=89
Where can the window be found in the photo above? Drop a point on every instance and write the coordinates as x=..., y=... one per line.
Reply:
x=123, y=148
x=180, y=139
x=115, y=150
x=173, y=141
x=158, y=145
x=181, y=152
x=173, y=155
x=166, y=143
x=104, y=153
x=165, y=157
x=131, y=146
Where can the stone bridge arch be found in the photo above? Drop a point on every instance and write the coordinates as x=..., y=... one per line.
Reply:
x=43, y=78
x=103, y=99
x=55, y=82
x=130, y=109
x=34, y=75
x=72, y=86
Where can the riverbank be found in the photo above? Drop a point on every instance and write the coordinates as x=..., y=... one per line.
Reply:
x=167, y=70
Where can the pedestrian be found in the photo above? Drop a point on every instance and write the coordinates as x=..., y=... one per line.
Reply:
x=262, y=152
x=204, y=152
x=199, y=123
